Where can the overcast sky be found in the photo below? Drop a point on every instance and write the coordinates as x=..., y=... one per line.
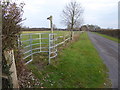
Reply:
x=103, y=13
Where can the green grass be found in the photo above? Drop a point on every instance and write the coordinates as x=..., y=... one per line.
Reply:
x=109, y=37
x=78, y=66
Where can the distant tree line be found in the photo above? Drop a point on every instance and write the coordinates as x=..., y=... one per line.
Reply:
x=95, y=28
x=90, y=27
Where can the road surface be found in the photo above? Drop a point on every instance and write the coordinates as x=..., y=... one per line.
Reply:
x=108, y=50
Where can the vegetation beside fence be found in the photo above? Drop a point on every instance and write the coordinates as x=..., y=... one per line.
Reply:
x=14, y=72
x=11, y=25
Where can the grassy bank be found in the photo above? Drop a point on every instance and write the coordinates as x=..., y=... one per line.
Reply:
x=108, y=37
x=77, y=66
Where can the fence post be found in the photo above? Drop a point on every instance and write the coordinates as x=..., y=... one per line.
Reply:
x=18, y=41
x=30, y=42
x=69, y=37
x=64, y=40
x=72, y=35
x=9, y=55
x=49, y=48
x=40, y=41
x=54, y=39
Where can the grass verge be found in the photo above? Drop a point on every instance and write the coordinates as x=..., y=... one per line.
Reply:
x=108, y=37
x=78, y=66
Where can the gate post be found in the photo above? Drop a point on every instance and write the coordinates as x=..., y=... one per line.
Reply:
x=40, y=37
x=30, y=42
x=49, y=48
x=9, y=55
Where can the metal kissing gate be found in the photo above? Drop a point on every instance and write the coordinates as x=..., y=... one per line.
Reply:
x=33, y=43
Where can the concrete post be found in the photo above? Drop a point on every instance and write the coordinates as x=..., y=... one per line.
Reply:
x=9, y=55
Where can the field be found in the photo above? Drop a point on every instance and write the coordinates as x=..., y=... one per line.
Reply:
x=78, y=65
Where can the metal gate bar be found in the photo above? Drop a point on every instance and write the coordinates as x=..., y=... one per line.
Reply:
x=50, y=44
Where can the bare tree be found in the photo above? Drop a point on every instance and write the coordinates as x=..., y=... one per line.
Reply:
x=72, y=15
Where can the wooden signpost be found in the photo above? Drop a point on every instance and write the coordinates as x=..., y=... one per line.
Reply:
x=51, y=23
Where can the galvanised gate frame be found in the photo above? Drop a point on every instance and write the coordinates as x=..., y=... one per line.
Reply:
x=50, y=45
